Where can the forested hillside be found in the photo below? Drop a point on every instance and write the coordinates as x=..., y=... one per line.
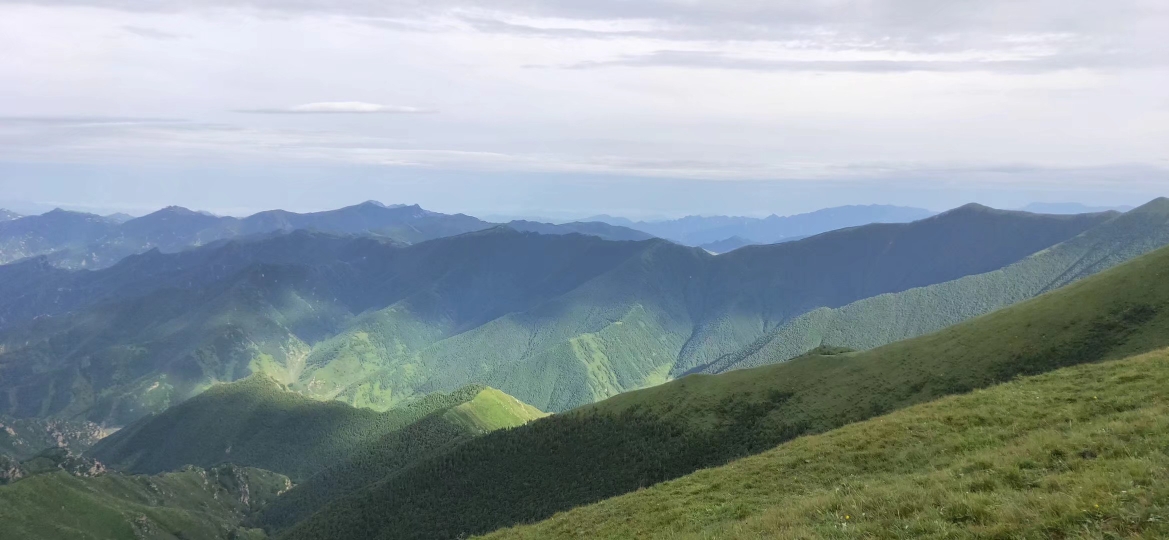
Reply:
x=556, y=320
x=1076, y=453
x=641, y=438
x=257, y=422
x=886, y=318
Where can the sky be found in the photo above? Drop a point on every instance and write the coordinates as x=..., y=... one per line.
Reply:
x=568, y=108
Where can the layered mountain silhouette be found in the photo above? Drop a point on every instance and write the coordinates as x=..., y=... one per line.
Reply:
x=557, y=321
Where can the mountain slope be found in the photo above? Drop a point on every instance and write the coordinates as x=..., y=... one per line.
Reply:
x=644, y=437
x=887, y=318
x=8, y=215
x=1078, y=452
x=192, y=504
x=257, y=422
x=25, y=437
x=439, y=431
x=726, y=245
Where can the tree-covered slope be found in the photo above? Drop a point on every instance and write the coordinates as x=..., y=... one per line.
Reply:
x=258, y=422
x=555, y=320
x=886, y=318
x=640, y=438
x=22, y=438
x=1075, y=453
x=192, y=504
x=437, y=432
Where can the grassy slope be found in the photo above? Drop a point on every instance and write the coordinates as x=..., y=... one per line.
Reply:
x=641, y=438
x=257, y=422
x=882, y=319
x=1076, y=453
x=193, y=504
x=439, y=431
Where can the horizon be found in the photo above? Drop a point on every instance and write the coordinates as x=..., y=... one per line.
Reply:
x=1061, y=207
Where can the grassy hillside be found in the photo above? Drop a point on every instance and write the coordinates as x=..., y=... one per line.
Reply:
x=640, y=438
x=258, y=422
x=882, y=319
x=435, y=433
x=193, y=504
x=1076, y=453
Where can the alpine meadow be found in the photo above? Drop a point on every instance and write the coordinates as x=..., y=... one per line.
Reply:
x=700, y=270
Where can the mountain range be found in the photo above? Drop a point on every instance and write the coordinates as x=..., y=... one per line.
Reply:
x=346, y=375
x=557, y=321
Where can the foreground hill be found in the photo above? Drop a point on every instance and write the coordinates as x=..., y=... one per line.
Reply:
x=1079, y=452
x=594, y=228
x=193, y=504
x=556, y=320
x=257, y=422
x=886, y=318
x=641, y=438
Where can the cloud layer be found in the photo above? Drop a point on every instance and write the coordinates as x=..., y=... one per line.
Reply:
x=340, y=107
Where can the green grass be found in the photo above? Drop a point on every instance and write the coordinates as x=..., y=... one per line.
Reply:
x=193, y=504
x=642, y=438
x=1082, y=452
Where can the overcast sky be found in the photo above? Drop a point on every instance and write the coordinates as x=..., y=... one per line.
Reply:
x=563, y=107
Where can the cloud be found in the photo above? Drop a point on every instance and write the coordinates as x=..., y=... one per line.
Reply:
x=340, y=107
x=151, y=33
x=721, y=60
x=76, y=121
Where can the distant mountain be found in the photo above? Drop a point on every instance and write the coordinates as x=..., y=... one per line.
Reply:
x=1071, y=208
x=886, y=318
x=194, y=504
x=727, y=244
x=594, y=228
x=75, y=240
x=641, y=438
x=7, y=215
x=119, y=217
x=699, y=230
x=557, y=321
x=258, y=422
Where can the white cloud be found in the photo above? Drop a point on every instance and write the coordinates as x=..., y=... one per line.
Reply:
x=340, y=107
